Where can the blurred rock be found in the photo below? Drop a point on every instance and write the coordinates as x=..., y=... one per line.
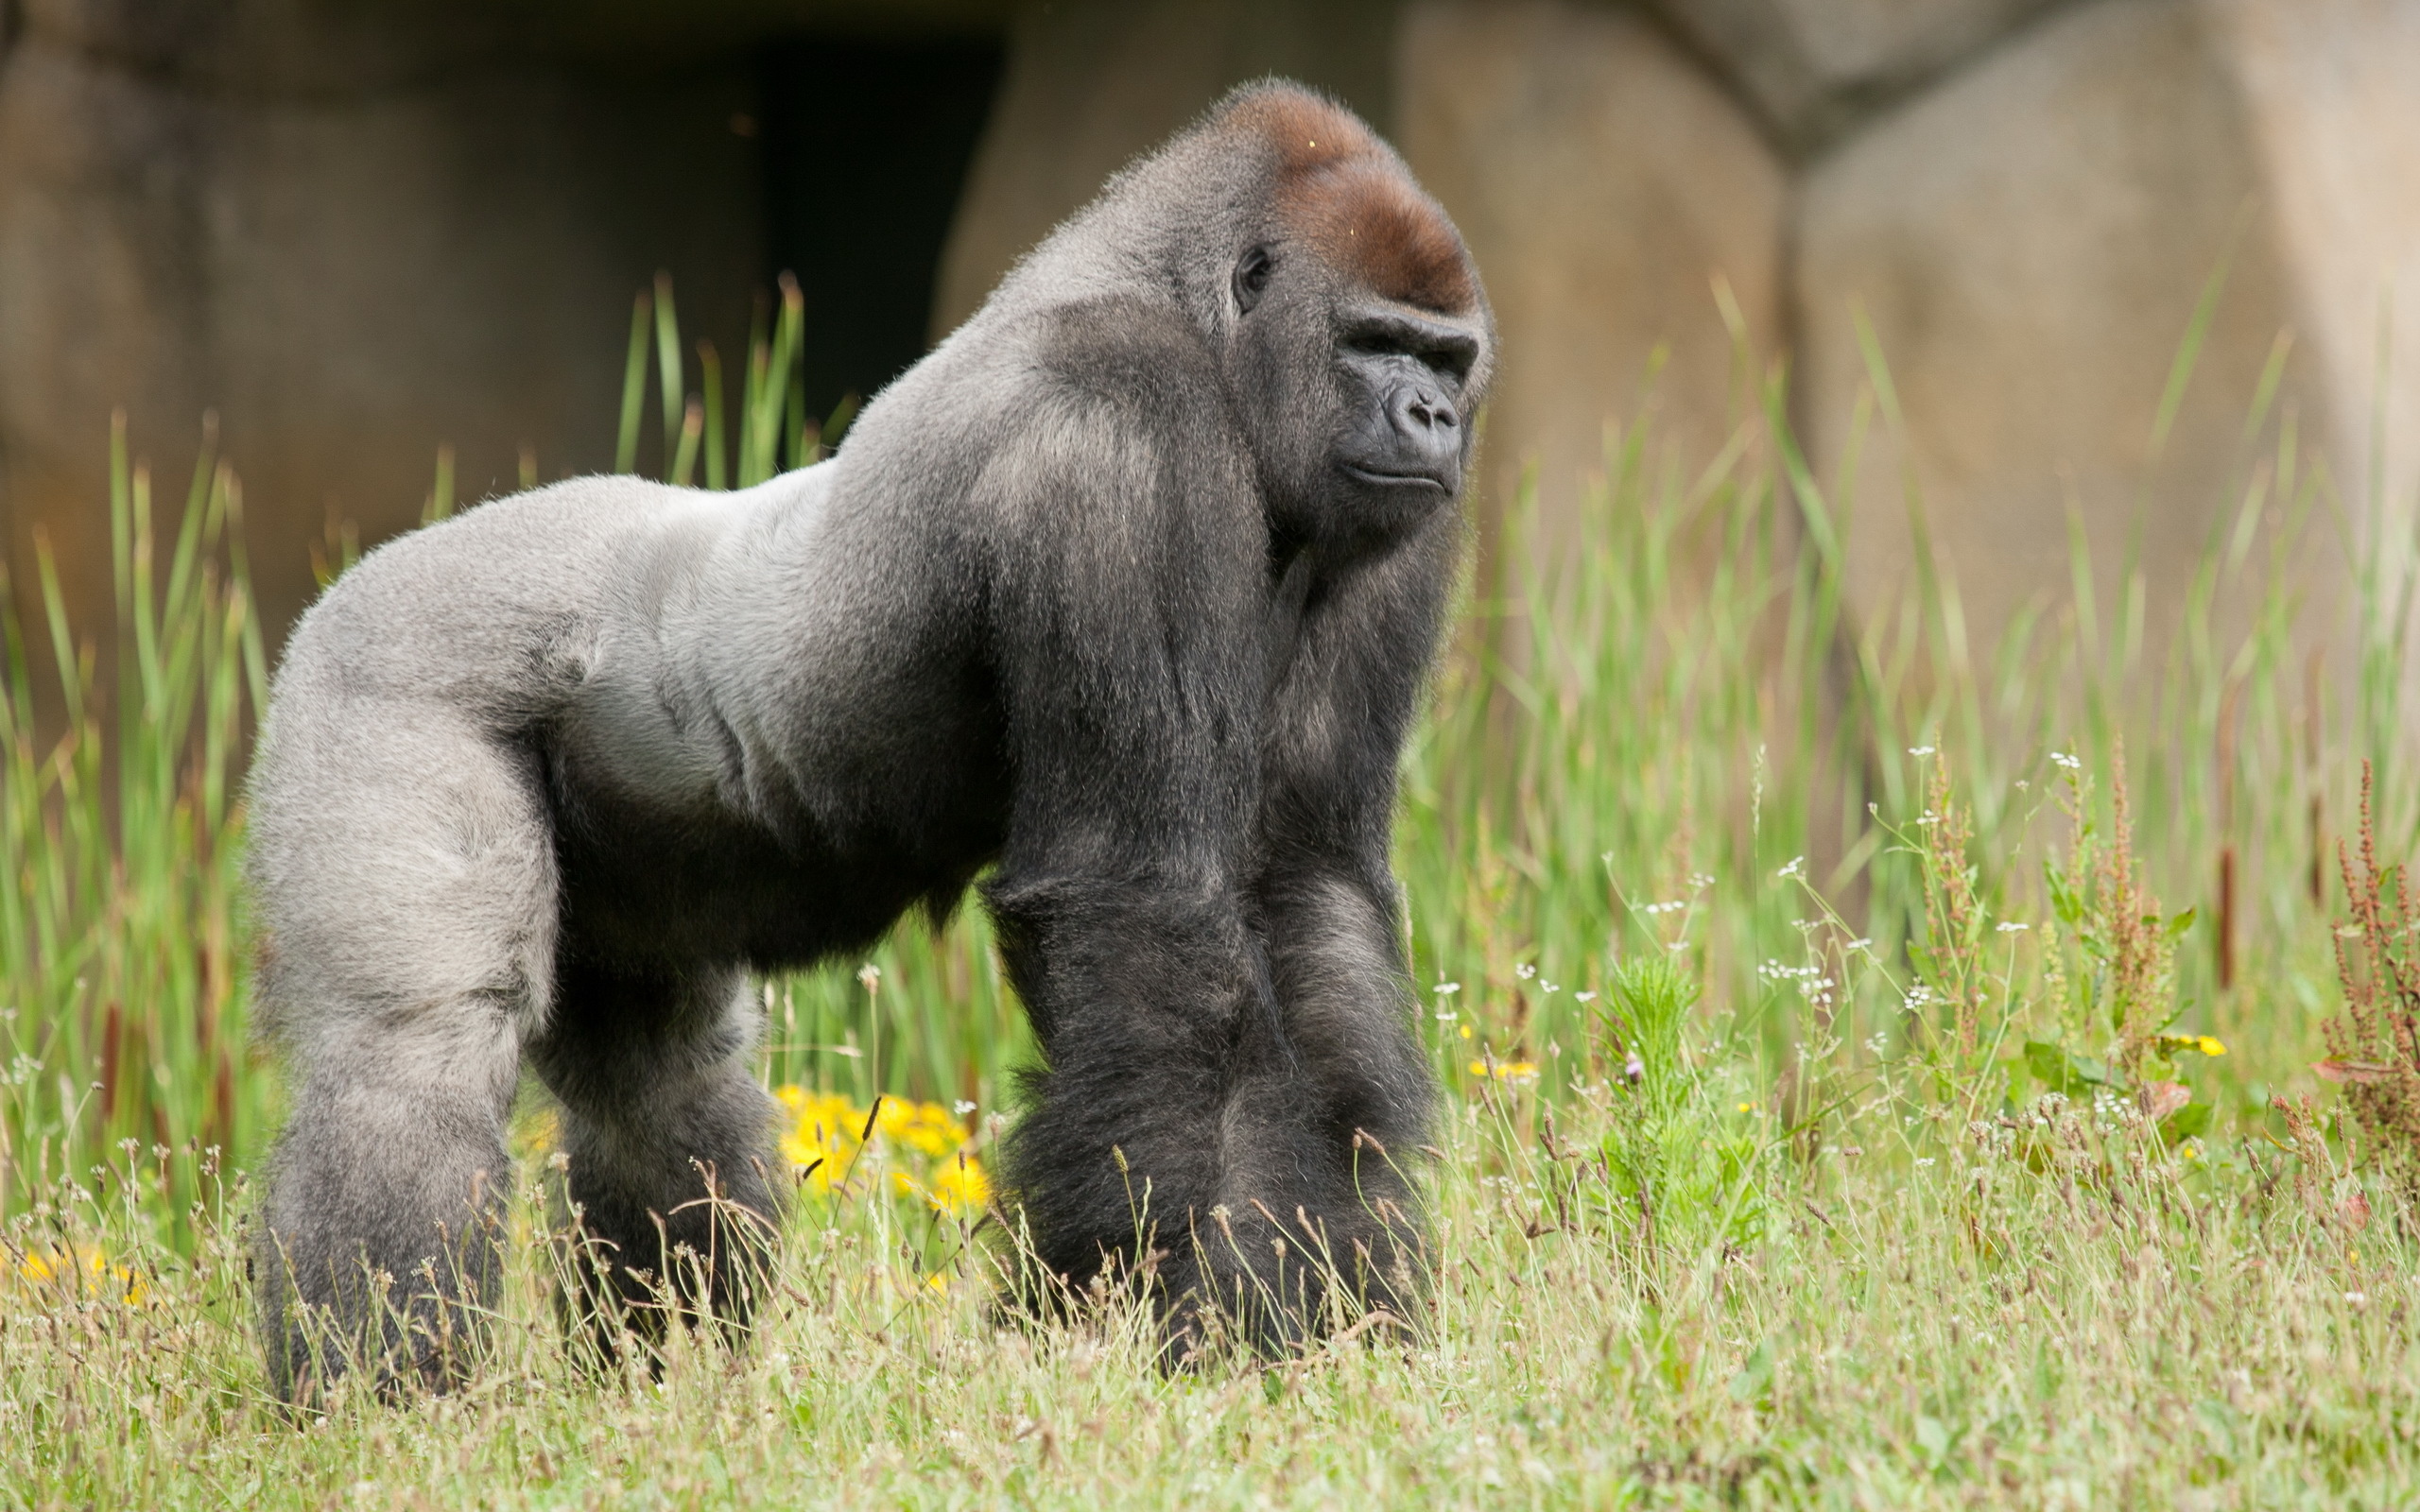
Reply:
x=2029, y=241
x=1813, y=67
x=2331, y=90
x=358, y=228
x=1603, y=183
x=1091, y=83
x=347, y=278
x=327, y=47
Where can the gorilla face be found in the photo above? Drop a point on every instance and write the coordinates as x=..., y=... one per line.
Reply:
x=1357, y=403
x=1402, y=433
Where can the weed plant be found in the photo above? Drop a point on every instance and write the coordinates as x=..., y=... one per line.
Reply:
x=121, y=943
x=1880, y=1070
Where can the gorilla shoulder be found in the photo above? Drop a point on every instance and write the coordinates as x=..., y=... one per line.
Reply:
x=1135, y=353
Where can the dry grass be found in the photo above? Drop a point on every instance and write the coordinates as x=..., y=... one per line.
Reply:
x=2050, y=1308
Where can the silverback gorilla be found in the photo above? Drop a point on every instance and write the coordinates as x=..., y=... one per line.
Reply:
x=1126, y=591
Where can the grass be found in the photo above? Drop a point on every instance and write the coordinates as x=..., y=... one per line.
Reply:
x=1881, y=1070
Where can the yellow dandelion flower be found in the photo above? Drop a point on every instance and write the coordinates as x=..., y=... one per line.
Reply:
x=926, y=1127
x=2209, y=1045
x=1507, y=1069
x=823, y=1136
x=98, y=1279
x=939, y=1281
x=1466, y=1031
x=1747, y=1108
x=961, y=1186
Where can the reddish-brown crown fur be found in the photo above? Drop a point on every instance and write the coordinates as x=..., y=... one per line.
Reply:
x=1345, y=196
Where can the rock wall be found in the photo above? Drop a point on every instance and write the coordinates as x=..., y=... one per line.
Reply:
x=2028, y=239
x=2029, y=242
x=358, y=228
x=351, y=250
x=1604, y=184
x=1092, y=83
x=2022, y=200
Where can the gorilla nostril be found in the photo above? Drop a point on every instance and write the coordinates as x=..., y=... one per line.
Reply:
x=1425, y=413
x=1427, y=440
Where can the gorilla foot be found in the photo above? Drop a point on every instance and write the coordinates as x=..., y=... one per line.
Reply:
x=418, y=1334
x=1275, y=1286
x=703, y=1274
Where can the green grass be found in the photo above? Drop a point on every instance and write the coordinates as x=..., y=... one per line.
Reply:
x=121, y=956
x=1797, y=983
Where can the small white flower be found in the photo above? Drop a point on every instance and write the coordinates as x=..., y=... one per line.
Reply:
x=1548, y=986
x=1447, y=989
x=1796, y=869
x=1924, y=1160
x=1584, y=997
x=2060, y=758
x=1920, y=750
x=961, y=1107
x=1525, y=971
x=1446, y=1016
x=2010, y=926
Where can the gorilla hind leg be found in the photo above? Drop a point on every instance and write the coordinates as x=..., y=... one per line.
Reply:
x=405, y=888
x=674, y=1177
x=381, y=1244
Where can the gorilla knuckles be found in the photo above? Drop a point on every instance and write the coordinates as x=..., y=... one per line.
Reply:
x=1355, y=244
x=1127, y=591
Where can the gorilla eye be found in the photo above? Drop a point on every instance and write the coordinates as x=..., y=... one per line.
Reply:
x=1251, y=278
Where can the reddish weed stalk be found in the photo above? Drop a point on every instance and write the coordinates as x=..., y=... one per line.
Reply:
x=2373, y=1044
x=2129, y=948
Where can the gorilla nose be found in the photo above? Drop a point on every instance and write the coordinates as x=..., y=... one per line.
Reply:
x=1428, y=430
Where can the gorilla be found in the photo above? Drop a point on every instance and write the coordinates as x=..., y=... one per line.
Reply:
x=1125, y=592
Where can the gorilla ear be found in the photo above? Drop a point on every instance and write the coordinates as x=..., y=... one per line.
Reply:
x=1251, y=278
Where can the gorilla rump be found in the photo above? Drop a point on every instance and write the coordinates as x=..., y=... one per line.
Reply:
x=1126, y=591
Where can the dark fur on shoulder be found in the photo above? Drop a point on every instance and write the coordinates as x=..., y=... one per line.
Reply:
x=1126, y=591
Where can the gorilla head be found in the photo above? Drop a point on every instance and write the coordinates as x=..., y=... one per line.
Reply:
x=1358, y=326
x=1124, y=595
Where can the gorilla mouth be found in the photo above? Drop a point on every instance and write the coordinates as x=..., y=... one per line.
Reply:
x=1397, y=480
